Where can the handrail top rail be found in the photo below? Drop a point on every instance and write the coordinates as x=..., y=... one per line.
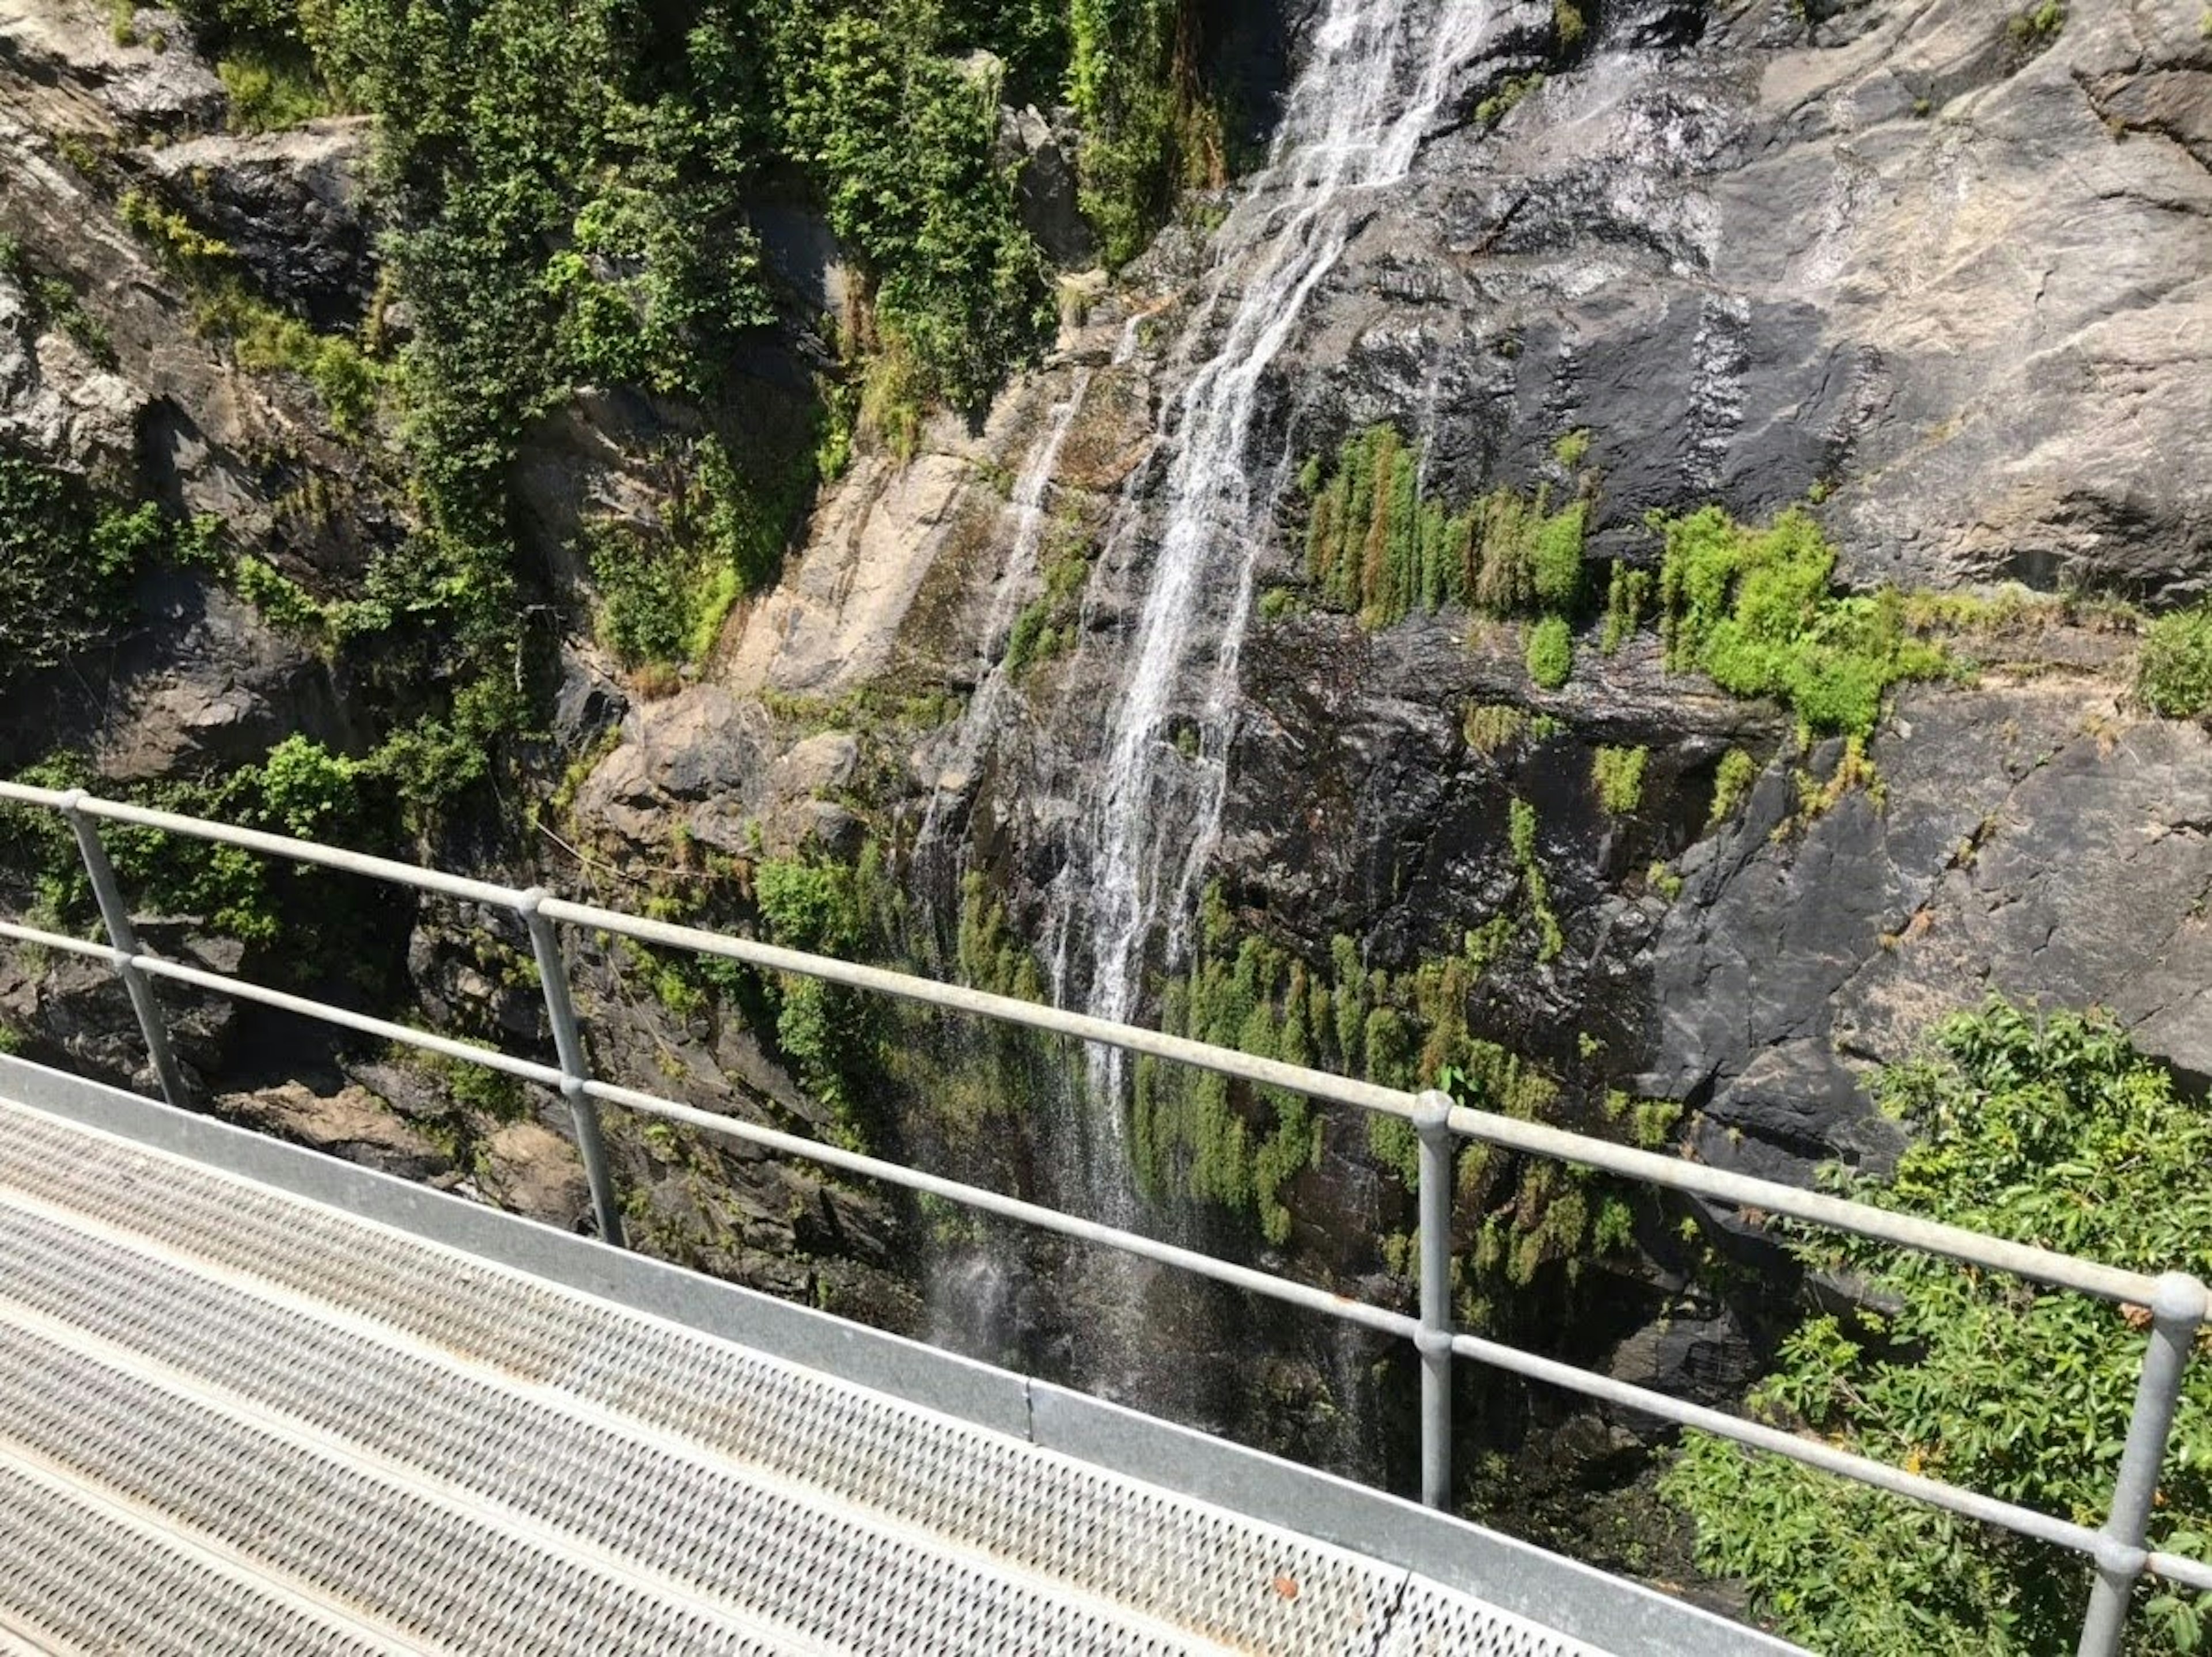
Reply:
x=2172, y=1292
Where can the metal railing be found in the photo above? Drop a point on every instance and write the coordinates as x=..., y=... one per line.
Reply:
x=2177, y=1303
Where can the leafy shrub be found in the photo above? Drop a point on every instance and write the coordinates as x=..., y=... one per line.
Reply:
x=2174, y=675
x=1752, y=609
x=2055, y=1133
x=270, y=91
x=1551, y=653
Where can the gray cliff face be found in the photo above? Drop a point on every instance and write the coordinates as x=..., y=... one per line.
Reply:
x=1963, y=290
x=1955, y=288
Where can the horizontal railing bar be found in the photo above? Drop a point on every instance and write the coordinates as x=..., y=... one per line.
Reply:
x=490, y=1058
x=1265, y=1072
x=2174, y=1568
x=275, y=845
x=1745, y=1191
x=1810, y=1452
x=56, y=941
x=1012, y=1208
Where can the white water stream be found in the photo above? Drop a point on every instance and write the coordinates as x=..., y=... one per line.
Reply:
x=1374, y=82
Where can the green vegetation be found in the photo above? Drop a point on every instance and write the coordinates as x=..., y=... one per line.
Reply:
x=1048, y=624
x=1149, y=127
x=1551, y=653
x=1751, y=608
x=1501, y=103
x=1732, y=781
x=2174, y=676
x=828, y=1033
x=54, y=303
x=2037, y=29
x=270, y=91
x=299, y=789
x=1490, y=726
x=1569, y=25
x=1618, y=773
x=1627, y=592
x=266, y=338
x=2054, y=1132
x=1375, y=544
x=1520, y=836
x=67, y=559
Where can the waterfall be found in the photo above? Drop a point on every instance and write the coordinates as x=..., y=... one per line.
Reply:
x=1375, y=82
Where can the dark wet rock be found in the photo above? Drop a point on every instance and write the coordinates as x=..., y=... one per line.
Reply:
x=1040, y=154
x=291, y=205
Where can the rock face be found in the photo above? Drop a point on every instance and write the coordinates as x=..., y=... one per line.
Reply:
x=1892, y=255
x=289, y=203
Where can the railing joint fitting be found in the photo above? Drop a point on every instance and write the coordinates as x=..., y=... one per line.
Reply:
x=1431, y=1114
x=1432, y=1343
x=2120, y=1559
x=2179, y=1298
x=529, y=902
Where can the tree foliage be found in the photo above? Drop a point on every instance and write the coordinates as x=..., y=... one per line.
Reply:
x=2053, y=1132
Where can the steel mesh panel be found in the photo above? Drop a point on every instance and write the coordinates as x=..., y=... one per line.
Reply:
x=75, y=1576
x=528, y=1469
x=1434, y=1622
x=441, y=1574
x=813, y=1564
x=1159, y=1556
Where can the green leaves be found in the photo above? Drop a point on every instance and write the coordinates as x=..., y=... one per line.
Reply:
x=2053, y=1132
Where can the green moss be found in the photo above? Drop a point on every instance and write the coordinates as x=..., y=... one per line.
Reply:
x=1551, y=653
x=1628, y=592
x=1732, y=782
x=1752, y=609
x=1536, y=890
x=1377, y=545
x=1501, y=103
x=2037, y=29
x=2174, y=675
x=1490, y=726
x=1569, y=25
x=1618, y=773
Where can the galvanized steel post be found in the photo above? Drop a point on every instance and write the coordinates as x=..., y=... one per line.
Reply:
x=115, y=915
x=568, y=1044
x=2179, y=1305
x=1431, y=1120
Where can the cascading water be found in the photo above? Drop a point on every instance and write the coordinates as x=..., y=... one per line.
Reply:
x=1376, y=80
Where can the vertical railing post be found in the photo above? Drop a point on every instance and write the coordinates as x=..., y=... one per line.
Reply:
x=2177, y=1307
x=1431, y=1123
x=568, y=1044
x=115, y=915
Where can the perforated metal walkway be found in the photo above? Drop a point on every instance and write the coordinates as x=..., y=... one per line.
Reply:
x=233, y=1419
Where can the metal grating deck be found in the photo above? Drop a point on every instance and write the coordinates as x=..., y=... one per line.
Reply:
x=233, y=1419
